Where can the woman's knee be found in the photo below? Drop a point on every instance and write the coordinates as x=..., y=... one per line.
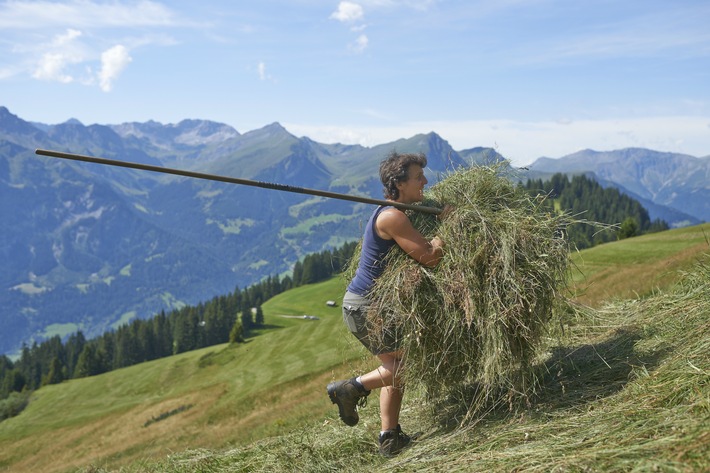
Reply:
x=393, y=365
x=391, y=361
x=393, y=355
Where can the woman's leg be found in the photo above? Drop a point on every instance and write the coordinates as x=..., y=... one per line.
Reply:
x=387, y=377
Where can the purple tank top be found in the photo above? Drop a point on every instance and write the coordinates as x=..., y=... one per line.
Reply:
x=371, y=264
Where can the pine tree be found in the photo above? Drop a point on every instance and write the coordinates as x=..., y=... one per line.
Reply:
x=247, y=320
x=128, y=351
x=286, y=283
x=6, y=367
x=183, y=332
x=90, y=362
x=146, y=340
x=74, y=346
x=55, y=374
x=107, y=346
x=259, y=317
x=14, y=381
x=298, y=274
x=628, y=229
x=163, y=335
x=236, y=335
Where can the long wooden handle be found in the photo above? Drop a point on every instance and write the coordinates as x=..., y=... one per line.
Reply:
x=234, y=180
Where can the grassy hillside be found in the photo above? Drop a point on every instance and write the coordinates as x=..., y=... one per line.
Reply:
x=626, y=387
x=636, y=267
x=230, y=395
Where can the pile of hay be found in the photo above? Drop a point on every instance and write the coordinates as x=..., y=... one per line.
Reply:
x=472, y=326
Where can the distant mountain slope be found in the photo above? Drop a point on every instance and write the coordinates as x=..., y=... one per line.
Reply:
x=75, y=252
x=186, y=133
x=677, y=181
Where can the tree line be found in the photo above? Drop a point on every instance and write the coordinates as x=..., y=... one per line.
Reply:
x=227, y=318
x=586, y=199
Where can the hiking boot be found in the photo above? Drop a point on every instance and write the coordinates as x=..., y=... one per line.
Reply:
x=393, y=441
x=348, y=394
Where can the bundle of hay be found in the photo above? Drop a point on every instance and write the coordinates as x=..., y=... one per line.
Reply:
x=472, y=326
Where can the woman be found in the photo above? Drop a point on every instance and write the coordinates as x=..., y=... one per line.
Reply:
x=403, y=178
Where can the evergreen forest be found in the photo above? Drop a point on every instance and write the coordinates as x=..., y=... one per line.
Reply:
x=589, y=203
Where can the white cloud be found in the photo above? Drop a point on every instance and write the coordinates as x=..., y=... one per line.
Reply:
x=72, y=56
x=263, y=74
x=113, y=62
x=421, y=5
x=84, y=14
x=61, y=53
x=51, y=67
x=360, y=44
x=78, y=55
x=68, y=37
x=61, y=57
x=348, y=12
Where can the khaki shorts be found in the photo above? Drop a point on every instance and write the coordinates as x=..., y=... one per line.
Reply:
x=355, y=309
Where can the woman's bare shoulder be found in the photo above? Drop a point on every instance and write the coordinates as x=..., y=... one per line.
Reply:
x=391, y=222
x=392, y=215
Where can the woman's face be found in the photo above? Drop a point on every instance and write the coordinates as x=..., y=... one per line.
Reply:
x=412, y=190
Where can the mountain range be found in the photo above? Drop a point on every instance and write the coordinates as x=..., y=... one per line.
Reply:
x=88, y=247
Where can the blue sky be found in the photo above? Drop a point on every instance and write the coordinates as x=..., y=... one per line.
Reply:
x=529, y=77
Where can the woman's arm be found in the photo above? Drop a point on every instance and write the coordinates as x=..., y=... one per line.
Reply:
x=393, y=224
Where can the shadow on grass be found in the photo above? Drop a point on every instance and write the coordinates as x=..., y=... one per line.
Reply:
x=572, y=376
x=268, y=326
x=577, y=375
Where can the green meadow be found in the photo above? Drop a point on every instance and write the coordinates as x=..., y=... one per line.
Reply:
x=636, y=267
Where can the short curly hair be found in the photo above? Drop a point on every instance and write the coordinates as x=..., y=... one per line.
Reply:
x=395, y=169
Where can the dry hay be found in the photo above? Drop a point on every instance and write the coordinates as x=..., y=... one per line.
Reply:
x=471, y=327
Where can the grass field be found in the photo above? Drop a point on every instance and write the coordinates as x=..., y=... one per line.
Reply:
x=636, y=267
x=623, y=384
x=236, y=394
